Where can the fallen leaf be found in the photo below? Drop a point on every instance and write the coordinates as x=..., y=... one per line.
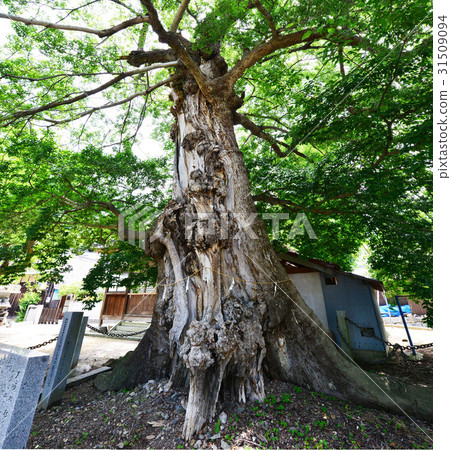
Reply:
x=156, y=424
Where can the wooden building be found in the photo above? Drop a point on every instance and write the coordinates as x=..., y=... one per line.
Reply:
x=118, y=305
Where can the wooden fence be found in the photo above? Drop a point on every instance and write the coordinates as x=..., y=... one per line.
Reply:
x=49, y=315
x=15, y=298
x=119, y=305
x=14, y=302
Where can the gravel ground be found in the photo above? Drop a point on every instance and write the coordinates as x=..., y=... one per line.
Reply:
x=291, y=417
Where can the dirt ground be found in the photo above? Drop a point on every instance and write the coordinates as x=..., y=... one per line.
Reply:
x=290, y=417
x=150, y=417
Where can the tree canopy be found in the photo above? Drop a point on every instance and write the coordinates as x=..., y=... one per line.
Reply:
x=334, y=122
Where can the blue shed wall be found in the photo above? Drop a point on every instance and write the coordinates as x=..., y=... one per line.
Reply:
x=354, y=297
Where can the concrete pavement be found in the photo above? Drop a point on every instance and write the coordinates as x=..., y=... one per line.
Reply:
x=95, y=351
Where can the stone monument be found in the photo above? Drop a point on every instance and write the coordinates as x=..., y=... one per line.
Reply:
x=55, y=383
x=81, y=335
x=22, y=372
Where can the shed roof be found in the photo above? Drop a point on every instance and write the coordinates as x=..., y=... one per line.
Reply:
x=291, y=260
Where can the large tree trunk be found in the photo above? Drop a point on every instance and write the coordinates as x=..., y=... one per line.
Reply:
x=225, y=310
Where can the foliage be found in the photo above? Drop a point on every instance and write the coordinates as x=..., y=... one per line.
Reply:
x=125, y=265
x=80, y=294
x=364, y=128
x=343, y=117
x=74, y=289
x=29, y=298
x=57, y=202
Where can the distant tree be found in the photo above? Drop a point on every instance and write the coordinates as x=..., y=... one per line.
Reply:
x=57, y=202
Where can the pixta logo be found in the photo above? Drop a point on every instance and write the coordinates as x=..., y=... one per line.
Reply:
x=134, y=223
x=216, y=225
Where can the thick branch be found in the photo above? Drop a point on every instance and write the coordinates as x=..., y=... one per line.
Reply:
x=173, y=40
x=101, y=33
x=258, y=131
x=137, y=58
x=179, y=15
x=276, y=43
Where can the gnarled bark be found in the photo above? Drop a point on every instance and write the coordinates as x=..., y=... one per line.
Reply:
x=225, y=309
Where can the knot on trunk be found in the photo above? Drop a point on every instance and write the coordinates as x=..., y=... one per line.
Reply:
x=193, y=140
x=245, y=318
x=205, y=184
x=206, y=344
x=209, y=230
x=172, y=217
x=214, y=67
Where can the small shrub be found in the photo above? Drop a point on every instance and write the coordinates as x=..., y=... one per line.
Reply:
x=218, y=426
x=271, y=400
x=29, y=298
x=286, y=398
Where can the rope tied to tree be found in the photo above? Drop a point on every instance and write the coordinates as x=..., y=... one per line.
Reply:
x=225, y=275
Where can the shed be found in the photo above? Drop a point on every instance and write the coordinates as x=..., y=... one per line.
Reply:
x=327, y=289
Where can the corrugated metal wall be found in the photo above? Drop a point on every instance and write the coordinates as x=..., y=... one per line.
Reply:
x=354, y=297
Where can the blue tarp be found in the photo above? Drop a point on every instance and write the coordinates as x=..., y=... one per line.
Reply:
x=394, y=311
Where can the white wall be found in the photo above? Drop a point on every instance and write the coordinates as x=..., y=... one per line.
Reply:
x=81, y=265
x=93, y=314
x=309, y=286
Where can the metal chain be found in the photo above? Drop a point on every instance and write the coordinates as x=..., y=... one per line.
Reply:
x=97, y=330
x=404, y=347
x=395, y=347
x=44, y=343
x=34, y=347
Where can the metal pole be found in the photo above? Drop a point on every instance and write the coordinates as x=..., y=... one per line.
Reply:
x=405, y=325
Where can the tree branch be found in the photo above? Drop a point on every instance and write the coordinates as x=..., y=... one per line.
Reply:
x=112, y=105
x=118, y=2
x=172, y=39
x=56, y=103
x=101, y=33
x=267, y=198
x=257, y=4
x=276, y=43
x=92, y=225
x=339, y=196
x=137, y=58
x=258, y=131
x=60, y=75
x=179, y=15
